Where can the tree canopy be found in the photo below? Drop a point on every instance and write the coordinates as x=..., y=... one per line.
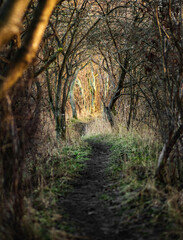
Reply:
x=66, y=58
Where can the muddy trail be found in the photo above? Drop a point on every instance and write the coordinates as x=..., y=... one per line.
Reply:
x=94, y=207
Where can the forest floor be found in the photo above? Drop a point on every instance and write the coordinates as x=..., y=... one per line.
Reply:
x=100, y=186
x=88, y=203
x=101, y=206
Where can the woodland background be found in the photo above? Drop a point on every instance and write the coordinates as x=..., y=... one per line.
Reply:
x=119, y=61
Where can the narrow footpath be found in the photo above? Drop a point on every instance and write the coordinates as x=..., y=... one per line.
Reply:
x=86, y=205
x=93, y=206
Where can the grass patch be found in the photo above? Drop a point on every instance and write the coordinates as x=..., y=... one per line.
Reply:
x=132, y=156
x=143, y=204
x=53, y=179
x=145, y=208
x=105, y=197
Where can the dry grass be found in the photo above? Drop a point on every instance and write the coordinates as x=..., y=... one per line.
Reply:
x=49, y=167
x=98, y=126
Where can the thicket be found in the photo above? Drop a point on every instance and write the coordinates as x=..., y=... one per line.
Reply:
x=63, y=59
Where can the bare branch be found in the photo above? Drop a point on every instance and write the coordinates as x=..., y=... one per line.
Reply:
x=28, y=51
x=11, y=15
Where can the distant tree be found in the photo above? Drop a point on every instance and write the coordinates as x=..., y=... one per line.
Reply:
x=114, y=38
x=67, y=41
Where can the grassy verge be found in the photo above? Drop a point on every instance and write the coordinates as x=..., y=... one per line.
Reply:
x=53, y=178
x=145, y=207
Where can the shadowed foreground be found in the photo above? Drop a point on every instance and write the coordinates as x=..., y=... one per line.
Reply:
x=94, y=205
x=92, y=216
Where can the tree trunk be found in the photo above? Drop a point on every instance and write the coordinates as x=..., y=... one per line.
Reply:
x=71, y=96
x=11, y=15
x=109, y=116
x=63, y=125
x=72, y=102
x=93, y=88
x=81, y=92
x=28, y=51
x=117, y=93
x=11, y=160
x=163, y=172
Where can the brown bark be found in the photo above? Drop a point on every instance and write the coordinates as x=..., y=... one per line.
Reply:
x=28, y=51
x=11, y=15
x=120, y=85
x=117, y=93
x=161, y=172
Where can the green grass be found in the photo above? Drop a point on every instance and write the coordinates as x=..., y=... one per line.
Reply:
x=132, y=162
x=131, y=168
x=43, y=219
x=105, y=197
x=131, y=155
x=144, y=204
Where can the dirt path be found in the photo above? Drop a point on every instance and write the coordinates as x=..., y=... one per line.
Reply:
x=99, y=213
x=86, y=204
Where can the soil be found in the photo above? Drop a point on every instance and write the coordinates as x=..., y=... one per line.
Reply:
x=95, y=209
x=85, y=205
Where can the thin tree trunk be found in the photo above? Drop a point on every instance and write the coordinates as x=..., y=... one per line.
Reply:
x=108, y=113
x=81, y=91
x=50, y=93
x=116, y=95
x=71, y=94
x=93, y=87
x=72, y=100
x=161, y=172
x=130, y=119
